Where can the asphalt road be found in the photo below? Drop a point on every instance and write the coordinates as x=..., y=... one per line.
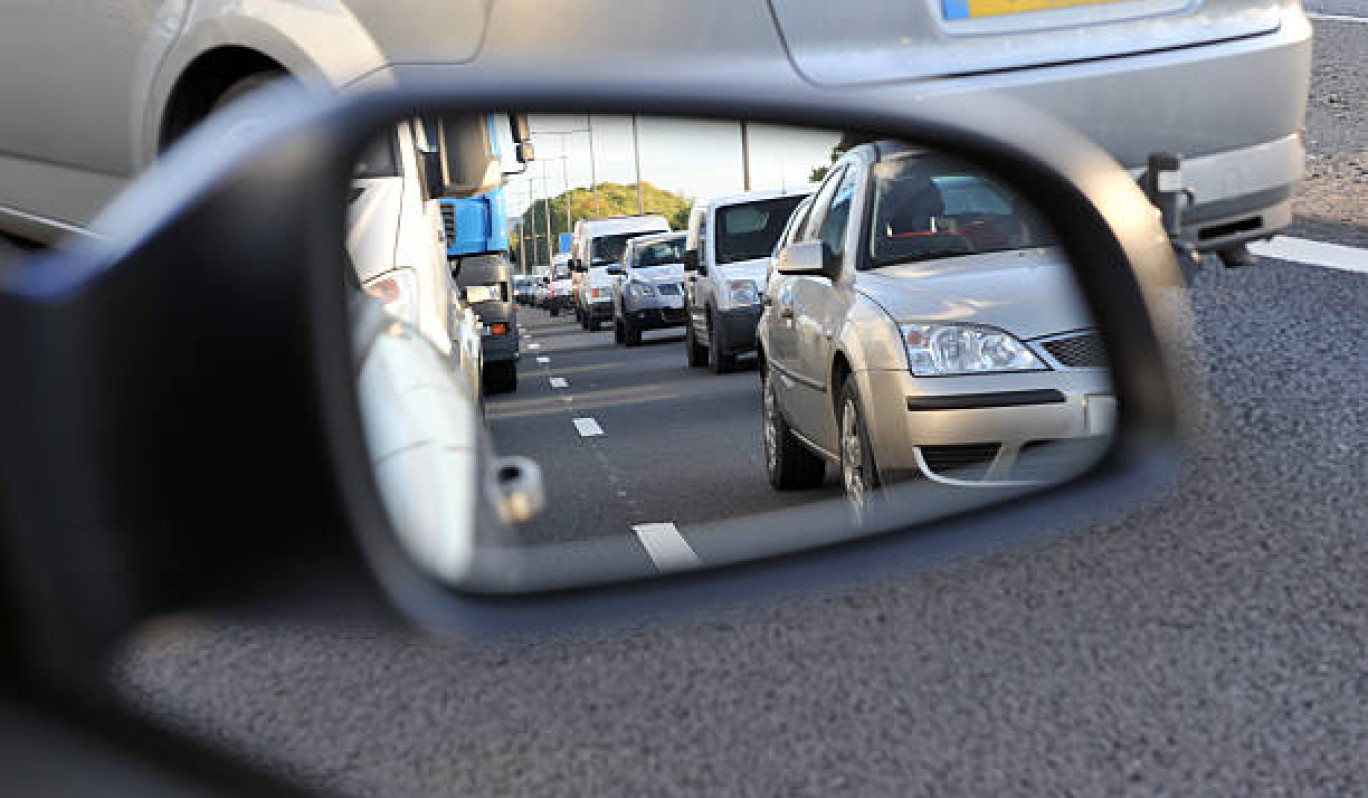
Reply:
x=1212, y=640
x=678, y=445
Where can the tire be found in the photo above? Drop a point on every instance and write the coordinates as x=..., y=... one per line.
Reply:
x=859, y=474
x=788, y=463
x=501, y=377
x=718, y=363
x=593, y=325
x=618, y=335
x=555, y=311
x=631, y=333
x=236, y=124
x=693, y=350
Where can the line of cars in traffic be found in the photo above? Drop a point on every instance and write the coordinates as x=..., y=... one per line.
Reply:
x=910, y=317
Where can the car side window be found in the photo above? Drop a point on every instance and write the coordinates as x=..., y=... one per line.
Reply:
x=834, y=226
x=820, y=203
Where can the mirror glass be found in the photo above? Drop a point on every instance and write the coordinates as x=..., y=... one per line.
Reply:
x=877, y=335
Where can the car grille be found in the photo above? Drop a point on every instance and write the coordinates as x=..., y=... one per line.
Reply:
x=961, y=461
x=1052, y=460
x=1081, y=351
x=449, y=221
x=668, y=289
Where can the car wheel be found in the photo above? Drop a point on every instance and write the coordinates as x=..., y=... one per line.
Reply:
x=696, y=352
x=593, y=325
x=500, y=377
x=555, y=311
x=631, y=332
x=859, y=476
x=718, y=362
x=618, y=335
x=789, y=463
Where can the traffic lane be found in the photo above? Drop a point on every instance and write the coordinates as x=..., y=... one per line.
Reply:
x=679, y=445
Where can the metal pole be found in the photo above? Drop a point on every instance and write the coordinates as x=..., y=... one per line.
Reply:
x=593, y=167
x=565, y=177
x=546, y=211
x=745, y=157
x=636, y=150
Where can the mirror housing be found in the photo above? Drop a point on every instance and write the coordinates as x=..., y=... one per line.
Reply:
x=616, y=269
x=690, y=260
x=808, y=259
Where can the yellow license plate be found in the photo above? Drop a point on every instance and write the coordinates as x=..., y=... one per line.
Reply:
x=977, y=9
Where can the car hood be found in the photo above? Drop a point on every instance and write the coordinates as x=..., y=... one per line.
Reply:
x=1027, y=292
x=755, y=269
x=598, y=277
x=669, y=273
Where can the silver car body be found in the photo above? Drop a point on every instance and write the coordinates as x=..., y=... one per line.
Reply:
x=652, y=296
x=1222, y=82
x=816, y=333
x=594, y=286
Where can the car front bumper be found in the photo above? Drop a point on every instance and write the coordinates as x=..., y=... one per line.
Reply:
x=737, y=328
x=987, y=430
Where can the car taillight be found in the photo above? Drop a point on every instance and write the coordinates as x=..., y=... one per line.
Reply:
x=396, y=291
x=498, y=329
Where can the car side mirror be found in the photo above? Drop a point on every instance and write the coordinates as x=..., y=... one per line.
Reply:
x=691, y=260
x=430, y=161
x=809, y=259
x=616, y=269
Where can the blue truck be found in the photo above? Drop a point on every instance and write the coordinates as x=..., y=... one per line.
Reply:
x=476, y=230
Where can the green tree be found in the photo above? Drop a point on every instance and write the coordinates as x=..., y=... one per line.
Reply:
x=614, y=199
x=849, y=140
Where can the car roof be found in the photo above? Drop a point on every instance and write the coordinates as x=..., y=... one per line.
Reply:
x=758, y=194
x=652, y=238
x=647, y=223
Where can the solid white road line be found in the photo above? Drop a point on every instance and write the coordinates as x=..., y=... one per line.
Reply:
x=668, y=549
x=559, y=382
x=543, y=359
x=587, y=427
x=1338, y=18
x=1315, y=253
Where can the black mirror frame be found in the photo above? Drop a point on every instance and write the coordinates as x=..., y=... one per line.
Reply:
x=293, y=183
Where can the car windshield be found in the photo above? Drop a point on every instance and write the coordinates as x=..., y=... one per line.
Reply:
x=927, y=208
x=609, y=249
x=659, y=253
x=750, y=230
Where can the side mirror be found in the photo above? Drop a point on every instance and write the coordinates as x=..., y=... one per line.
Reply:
x=525, y=152
x=810, y=259
x=691, y=260
x=616, y=269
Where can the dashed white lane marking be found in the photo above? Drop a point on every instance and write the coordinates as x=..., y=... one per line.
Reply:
x=1315, y=253
x=543, y=359
x=534, y=346
x=559, y=382
x=587, y=427
x=668, y=549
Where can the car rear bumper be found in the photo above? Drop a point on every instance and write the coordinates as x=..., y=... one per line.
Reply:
x=984, y=431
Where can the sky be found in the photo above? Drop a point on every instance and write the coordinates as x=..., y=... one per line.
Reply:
x=698, y=159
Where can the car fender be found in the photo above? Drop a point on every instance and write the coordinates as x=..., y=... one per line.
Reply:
x=322, y=43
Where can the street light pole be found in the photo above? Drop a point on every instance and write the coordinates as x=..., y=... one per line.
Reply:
x=546, y=211
x=636, y=150
x=745, y=155
x=593, y=166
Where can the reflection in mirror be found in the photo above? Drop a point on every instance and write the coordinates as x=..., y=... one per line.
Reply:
x=668, y=345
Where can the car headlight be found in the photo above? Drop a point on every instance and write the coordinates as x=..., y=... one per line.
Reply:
x=743, y=292
x=935, y=350
x=641, y=290
x=398, y=291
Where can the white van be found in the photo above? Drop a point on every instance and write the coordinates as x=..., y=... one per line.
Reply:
x=597, y=247
x=726, y=256
x=398, y=247
x=561, y=286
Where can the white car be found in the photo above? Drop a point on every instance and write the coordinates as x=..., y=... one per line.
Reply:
x=397, y=246
x=597, y=247
x=727, y=256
